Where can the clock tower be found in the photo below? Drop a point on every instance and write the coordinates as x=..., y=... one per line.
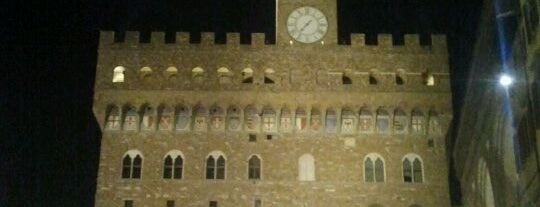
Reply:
x=306, y=22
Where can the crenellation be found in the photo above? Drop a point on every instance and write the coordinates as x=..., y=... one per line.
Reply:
x=233, y=39
x=358, y=40
x=106, y=37
x=384, y=40
x=182, y=38
x=258, y=39
x=157, y=38
x=207, y=38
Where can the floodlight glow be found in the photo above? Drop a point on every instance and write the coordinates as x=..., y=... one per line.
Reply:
x=505, y=80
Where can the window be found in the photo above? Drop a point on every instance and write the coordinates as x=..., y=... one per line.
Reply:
x=252, y=138
x=374, y=168
x=412, y=169
x=224, y=75
x=251, y=118
x=372, y=79
x=254, y=168
x=400, y=121
x=345, y=80
x=213, y=204
x=148, y=117
x=170, y=203
x=383, y=121
x=197, y=74
x=128, y=203
x=215, y=166
x=269, y=119
x=429, y=80
x=173, y=165
x=306, y=168
x=113, y=118
x=165, y=118
x=132, y=165
x=348, y=121
x=331, y=121
x=269, y=76
x=400, y=77
x=417, y=121
x=366, y=120
x=183, y=118
x=247, y=75
x=257, y=203
x=145, y=72
x=118, y=74
x=131, y=118
x=171, y=73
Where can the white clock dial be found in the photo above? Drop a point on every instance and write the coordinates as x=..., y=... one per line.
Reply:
x=307, y=24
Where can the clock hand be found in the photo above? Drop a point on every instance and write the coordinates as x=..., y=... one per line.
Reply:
x=305, y=25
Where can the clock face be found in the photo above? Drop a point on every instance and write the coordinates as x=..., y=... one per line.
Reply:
x=307, y=24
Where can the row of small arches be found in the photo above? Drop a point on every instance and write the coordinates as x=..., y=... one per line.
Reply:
x=197, y=74
x=216, y=165
x=267, y=119
x=224, y=75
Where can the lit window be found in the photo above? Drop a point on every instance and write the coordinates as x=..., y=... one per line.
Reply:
x=145, y=72
x=118, y=74
x=306, y=168
x=171, y=73
x=247, y=75
x=269, y=76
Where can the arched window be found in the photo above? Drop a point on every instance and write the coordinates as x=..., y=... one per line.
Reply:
x=374, y=168
x=254, y=167
x=366, y=120
x=300, y=120
x=373, y=78
x=400, y=121
x=118, y=74
x=269, y=119
x=131, y=118
x=383, y=121
x=348, y=121
x=400, y=77
x=429, y=80
x=412, y=169
x=171, y=73
x=247, y=75
x=251, y=118
x=315, y=120
x=234, y=121
x=306, y=168
x=145, y=72
x=345, y=80
x=197, y=74
x=183, y=118
x=269, y=76
x=148, y=117
x=132, y=165
x=215, y=166
x=331, y=121
x=113, y=118
x=166, y=114
x=417, y=121
x=224, y=75
x=217, y=118
x=173, y=165
x=201, y=117
x=285, y=121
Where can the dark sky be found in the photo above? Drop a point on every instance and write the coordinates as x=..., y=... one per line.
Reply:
x=51, y=153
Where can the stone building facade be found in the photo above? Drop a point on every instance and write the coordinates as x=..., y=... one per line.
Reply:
x=496, y=150
x=285, y=124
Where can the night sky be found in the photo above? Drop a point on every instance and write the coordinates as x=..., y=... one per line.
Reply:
x=51, y=151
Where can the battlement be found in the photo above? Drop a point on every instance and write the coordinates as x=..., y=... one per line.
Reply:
x=133, y=38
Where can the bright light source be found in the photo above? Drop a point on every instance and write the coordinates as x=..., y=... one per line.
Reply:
x=505, y=80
